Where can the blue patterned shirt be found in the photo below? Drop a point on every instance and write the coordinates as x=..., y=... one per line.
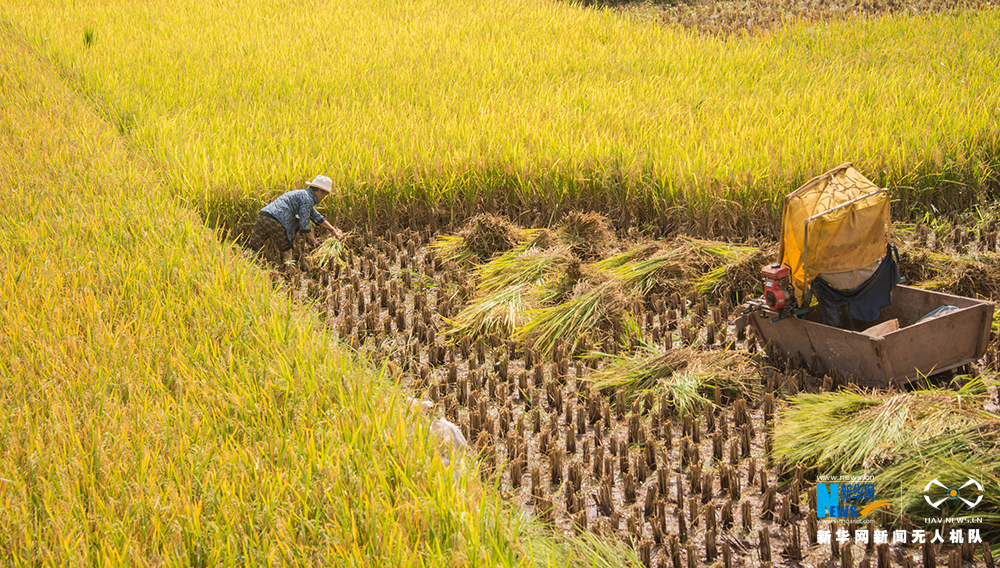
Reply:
x=294, y=210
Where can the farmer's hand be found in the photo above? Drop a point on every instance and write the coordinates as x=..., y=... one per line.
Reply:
x=313, y=243
x=333, y=230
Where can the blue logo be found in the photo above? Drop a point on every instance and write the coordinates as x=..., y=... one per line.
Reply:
x=845, y=500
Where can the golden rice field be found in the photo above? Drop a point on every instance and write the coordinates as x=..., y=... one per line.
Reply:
x=161, y=404
x=435, y=106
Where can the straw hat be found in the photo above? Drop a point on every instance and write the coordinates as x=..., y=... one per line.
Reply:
x=322, y=182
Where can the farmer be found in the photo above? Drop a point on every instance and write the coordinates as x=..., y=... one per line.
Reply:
x=290, y=214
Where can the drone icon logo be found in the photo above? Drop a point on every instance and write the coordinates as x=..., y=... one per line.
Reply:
x=952, y=493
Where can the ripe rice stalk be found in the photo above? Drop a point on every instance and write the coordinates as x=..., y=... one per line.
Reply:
x=726, y=267
x=629, y=256
x=585, y=317
x=521, y=266
x=329, y=253
x=685, y=377
x=853, y=430
x=737, y=277
x=539, y=238
x=975, y=275
x=588, y=235
x=501, y=313
x=671, y=267
x=953, y=456
x=453, y=248
x=574, y=280
x=665, y=271
x=720, y=250
x=487, y=235
x=631, y=335
x=904, y=440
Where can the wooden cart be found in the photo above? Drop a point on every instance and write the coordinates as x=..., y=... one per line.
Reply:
x=914, y=351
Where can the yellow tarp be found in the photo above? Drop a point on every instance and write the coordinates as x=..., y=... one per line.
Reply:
x=849, y=238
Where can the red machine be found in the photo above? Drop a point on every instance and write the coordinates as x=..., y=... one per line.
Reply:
x=778, y=293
